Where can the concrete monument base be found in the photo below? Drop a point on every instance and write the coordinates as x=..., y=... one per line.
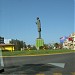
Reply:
x=39, y=42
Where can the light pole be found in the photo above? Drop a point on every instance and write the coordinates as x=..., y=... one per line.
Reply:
x=1, y=62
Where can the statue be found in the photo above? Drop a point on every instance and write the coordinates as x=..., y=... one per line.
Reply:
x=39, y=40
x=39, y=26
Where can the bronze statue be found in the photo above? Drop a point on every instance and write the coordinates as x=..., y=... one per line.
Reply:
x=39, y=26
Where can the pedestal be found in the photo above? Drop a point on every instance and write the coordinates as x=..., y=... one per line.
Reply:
x=39, y=42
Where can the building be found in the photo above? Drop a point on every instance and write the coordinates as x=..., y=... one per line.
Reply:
x=9, y=47
x=7, y=41
x=1, y=40
x=69, y=43
x=6, y=45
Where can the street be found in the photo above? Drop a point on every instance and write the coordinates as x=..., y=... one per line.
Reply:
x=39, y=65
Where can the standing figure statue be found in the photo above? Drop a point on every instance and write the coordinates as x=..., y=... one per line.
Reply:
x=39, y=26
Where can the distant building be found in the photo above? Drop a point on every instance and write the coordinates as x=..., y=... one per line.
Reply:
x=69, y=43
x=1, y=40
x=5, y=45
x=7, y=41
x=9, y=47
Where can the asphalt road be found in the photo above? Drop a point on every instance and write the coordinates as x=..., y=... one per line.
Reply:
x=38, y=65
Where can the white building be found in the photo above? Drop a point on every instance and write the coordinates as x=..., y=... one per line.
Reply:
x=6, y=41
x=69, y=43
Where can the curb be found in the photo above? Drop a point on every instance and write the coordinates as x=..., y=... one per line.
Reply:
x=38, y=54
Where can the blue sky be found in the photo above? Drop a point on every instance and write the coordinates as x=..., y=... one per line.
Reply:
x=18, y=17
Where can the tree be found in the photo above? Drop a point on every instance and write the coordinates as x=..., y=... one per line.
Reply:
x=56, y=45
x=34, y=47
x=18, y=44
x=60, y=46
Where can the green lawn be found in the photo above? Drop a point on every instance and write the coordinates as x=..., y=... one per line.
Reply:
x=35, y=52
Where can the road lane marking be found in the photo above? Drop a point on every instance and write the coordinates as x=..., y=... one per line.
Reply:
x=62, y=65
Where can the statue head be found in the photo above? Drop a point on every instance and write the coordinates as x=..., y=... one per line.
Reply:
x=37, y=18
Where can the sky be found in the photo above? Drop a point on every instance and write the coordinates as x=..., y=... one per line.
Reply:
x=18, y=19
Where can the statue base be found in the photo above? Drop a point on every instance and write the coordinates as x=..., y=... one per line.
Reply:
x=39, y=42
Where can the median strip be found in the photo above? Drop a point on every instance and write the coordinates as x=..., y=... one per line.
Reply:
x=35, y=53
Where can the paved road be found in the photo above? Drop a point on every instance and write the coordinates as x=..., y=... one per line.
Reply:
x=38, y=65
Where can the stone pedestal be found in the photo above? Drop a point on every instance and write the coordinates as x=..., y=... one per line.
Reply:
x=39, y=42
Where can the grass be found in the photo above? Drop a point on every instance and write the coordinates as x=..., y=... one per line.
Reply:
x=35, y=52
